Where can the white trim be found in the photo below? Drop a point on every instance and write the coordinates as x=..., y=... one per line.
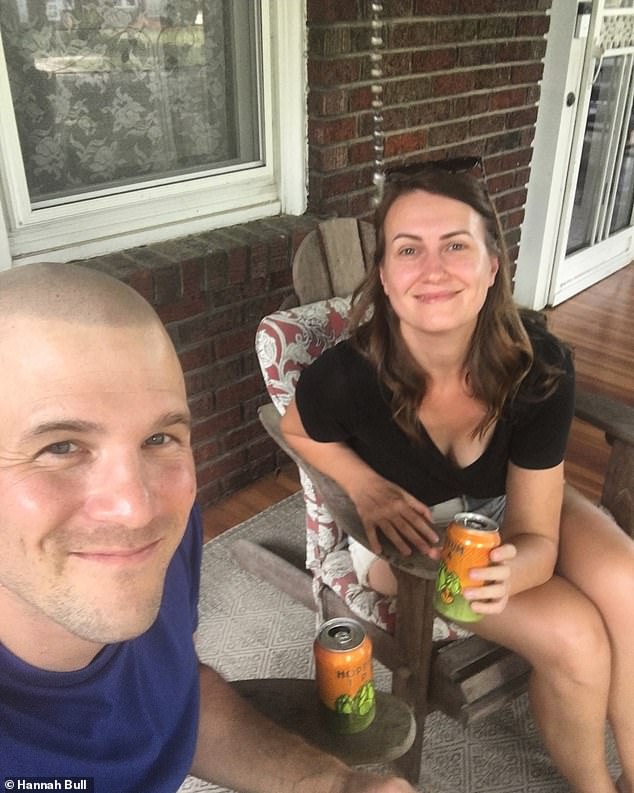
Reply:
x=549, y=165
x=292, y=84
x=616, y=252
x=5, y=250
x=146, y=215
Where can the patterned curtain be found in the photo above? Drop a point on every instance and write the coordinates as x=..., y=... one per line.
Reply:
x=111, y=92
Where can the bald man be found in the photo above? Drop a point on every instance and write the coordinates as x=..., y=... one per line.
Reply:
x=100, y=557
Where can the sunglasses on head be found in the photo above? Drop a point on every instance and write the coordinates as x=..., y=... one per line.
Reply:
x=452, y=165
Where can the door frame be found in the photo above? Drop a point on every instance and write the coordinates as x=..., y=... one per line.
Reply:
x=569, y=52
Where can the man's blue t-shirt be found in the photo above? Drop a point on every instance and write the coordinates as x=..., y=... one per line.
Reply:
x=128, y=720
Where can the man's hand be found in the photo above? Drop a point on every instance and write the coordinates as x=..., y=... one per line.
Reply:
x=404, y=520
x=240, y=749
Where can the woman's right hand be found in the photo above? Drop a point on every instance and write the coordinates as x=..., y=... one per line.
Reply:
x=382, y=506
x=387, y=509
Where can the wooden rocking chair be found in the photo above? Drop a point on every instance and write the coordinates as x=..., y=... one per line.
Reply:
x=465, y=677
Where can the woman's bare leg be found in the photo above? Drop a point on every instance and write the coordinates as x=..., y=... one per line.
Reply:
x=381, y=578
x=560, y=632
x=598, y=558
x=591, y=675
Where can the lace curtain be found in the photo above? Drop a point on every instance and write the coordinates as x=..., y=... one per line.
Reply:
x=113, y=92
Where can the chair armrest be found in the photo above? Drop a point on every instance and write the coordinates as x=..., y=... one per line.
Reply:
x=340, y=505
x=615, y=418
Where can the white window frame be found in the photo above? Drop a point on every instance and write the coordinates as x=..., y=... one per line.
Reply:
x=105, y=224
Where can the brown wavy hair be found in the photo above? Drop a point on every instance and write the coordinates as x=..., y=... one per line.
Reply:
x=500, y=353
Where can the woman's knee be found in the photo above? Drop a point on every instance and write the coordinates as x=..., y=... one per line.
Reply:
x=576, y=648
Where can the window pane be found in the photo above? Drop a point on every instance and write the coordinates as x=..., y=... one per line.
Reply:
x=624, y=199
x=598, y=140
x=110, y=94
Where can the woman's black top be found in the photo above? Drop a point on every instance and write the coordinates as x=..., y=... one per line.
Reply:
x=339, y=398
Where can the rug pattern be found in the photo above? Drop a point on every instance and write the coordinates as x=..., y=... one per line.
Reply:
x=249, y=629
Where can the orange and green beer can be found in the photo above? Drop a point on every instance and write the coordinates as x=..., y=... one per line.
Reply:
x=469, y=540
x=343, y=668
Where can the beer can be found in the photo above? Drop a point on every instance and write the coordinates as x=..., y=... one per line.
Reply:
x=343, y=668
x=469, y=540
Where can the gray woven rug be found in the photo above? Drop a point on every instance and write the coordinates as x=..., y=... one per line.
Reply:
x=248, y=629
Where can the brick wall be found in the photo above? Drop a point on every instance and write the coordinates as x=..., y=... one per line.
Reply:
x=211, y=290
x=460, y=77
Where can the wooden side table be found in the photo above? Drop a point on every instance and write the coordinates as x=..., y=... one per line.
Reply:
x=294, y=704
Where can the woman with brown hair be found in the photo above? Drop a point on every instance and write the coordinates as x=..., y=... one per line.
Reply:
x=447, y=398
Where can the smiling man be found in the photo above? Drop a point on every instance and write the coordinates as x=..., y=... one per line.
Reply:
x=99, y=568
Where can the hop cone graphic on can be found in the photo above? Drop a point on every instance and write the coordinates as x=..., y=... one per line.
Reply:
x=470, y=538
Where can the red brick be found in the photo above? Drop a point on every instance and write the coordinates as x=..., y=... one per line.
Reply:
x=522, y=118
x=334, y=72
x=496, y=27
x=405, y=91
x=513, y=97
x=238, y=391
x=437, y=7
x=205, y=452
x=360, y=152
x=237, y=265
x=197, y=357
x=515, y=219
x=485, y=125
x=168, y=284
x=456, y=30
x=434, y=60
x=360, y=98
x=406, y=142
x=329, y=42
x=331, y=102
x=141, y=280
x=201, y=407
x=478, y=104
x=329, y=11
x=510, y=201
x=327, y=159
x=492, y=78
x=220, y=467
x=343, y=182
x=522, y=175
x=448, y=133
x=533, y=25
x=475, y=54
x=361, y=203
x=397, y=8
x=452, y=83
x=427, y=113
x=527, y=73
x=209, y=494
x=410, y=35
x=247, y=434
x=481, y=6
x=497, y=184
x=514, y=51
x=331, y=131
x=234, y=342
x=394, y=118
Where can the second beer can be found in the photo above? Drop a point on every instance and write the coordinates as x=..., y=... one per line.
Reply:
x=343, y=668
x=470, y=538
